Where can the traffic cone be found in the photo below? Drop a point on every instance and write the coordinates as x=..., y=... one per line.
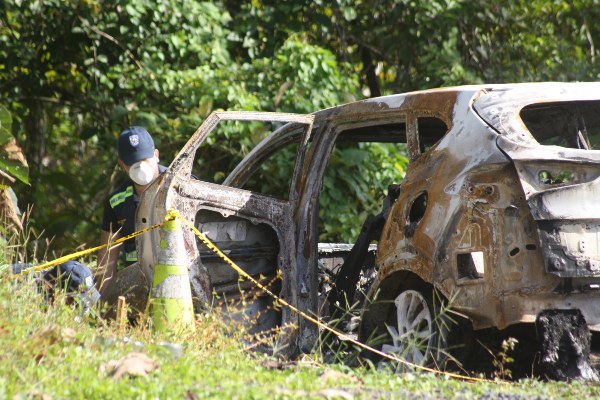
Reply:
x=171, y=295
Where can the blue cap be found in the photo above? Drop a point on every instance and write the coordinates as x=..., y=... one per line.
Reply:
x=135, y=144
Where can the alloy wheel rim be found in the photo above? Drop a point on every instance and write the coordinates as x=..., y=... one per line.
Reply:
x=412, y=332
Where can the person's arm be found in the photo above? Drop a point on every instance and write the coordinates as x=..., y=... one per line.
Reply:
x=107, y=259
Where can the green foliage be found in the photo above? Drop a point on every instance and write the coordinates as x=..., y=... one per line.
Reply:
x=11, y=158
x=91, y=68
x=356, y=182
x=76, y=73
x=73, y=74
x=408, y=45
x=503, y=360
x=534, y=41
x=300, y=77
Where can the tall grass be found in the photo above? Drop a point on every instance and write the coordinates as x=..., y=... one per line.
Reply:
x=51, y=351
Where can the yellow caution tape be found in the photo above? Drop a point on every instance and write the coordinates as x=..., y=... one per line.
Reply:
x=172, y=214
x=60, y=260
x=341, y=335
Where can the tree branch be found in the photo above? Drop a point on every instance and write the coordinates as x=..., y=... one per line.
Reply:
x=115, y=41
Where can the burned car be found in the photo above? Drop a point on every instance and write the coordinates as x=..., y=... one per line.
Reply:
x=498, y=213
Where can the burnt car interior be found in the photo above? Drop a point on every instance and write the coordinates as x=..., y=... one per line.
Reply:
x=431, y=130
x=390, y=137
x=256, y=249
x=250, y=242
x=359, y=260
x=359, y=257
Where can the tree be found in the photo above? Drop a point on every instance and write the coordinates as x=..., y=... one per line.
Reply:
x=13, y=167
x=396, y=46
x=76, y=73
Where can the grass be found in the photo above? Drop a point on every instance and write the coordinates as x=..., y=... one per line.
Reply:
x=50, y=352
x=47, y=353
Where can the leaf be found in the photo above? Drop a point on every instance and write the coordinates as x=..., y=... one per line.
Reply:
x=13, y=162
x=118, y=112
x=146, y=119
x=5, y=136
x=132, y=365
x=205, y=106
x=5, y=122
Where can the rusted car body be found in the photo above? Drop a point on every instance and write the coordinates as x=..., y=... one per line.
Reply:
x=499, y=209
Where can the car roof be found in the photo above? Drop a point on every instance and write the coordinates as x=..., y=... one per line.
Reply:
x=520, y=93
x=498, y=104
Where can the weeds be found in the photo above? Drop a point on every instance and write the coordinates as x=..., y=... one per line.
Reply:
x=48, y=352
x=256, y=316
x=504, y=358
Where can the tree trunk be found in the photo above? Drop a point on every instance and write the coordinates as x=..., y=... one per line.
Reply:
x=35, y=148
x=369, y=71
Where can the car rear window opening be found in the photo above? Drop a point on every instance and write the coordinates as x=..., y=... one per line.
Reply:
x=567, y=124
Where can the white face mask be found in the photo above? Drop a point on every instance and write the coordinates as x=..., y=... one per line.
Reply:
x=142, y=173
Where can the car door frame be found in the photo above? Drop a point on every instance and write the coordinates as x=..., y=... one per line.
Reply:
x=177, y=189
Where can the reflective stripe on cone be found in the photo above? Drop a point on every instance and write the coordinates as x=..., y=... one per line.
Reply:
x=171, y=295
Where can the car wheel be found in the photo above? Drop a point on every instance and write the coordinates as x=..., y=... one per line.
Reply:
x=417, y=334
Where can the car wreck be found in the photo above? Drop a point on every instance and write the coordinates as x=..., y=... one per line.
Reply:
x=498, y=213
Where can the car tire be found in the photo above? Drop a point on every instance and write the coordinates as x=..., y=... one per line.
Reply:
x=417, y=332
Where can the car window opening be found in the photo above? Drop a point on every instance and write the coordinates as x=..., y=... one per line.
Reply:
x=567, y=124
x=555, y=178
x=365, y=161
x=223, y=150
x=431, y=131
x=273, y=177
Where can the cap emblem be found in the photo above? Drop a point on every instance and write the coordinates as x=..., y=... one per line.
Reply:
x=134, y=140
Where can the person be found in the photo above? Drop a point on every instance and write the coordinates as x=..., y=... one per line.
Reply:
x=139, y=159
x=75, y=279
x=72, y=278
